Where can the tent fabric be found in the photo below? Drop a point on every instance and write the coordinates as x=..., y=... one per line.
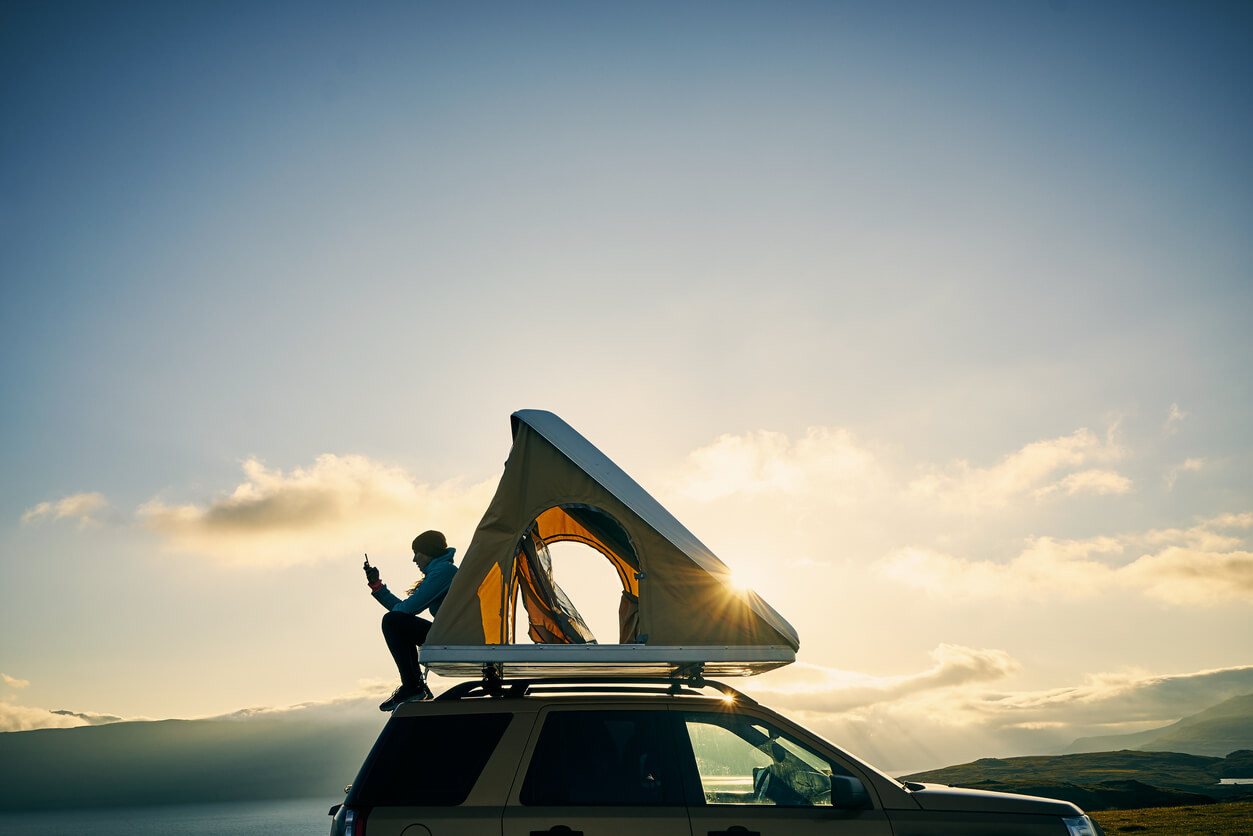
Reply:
x=558, y=487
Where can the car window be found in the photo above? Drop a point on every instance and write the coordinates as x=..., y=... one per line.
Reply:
x=430, y=761
x=742, y=760
x=602, y=758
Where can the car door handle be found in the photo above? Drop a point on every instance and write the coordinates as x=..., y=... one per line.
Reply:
x=737, y=830
x=557, y=830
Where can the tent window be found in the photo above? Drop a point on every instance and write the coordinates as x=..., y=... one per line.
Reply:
x=553, y=617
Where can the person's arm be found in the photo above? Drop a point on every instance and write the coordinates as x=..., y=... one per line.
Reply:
x=434, y=584
x=384, y=596
x=377, y=587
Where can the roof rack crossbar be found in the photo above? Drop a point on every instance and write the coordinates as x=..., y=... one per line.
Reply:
x=493, y=685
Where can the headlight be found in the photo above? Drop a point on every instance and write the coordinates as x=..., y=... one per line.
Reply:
x=1080, y=826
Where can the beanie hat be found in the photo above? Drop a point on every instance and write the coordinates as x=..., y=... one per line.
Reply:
x=430, y=543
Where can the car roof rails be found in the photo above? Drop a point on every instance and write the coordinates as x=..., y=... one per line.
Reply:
x=493, y=685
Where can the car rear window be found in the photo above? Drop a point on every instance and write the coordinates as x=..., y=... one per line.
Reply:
x=427, y=761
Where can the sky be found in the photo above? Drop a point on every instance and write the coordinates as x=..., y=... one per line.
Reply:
x=930, y=319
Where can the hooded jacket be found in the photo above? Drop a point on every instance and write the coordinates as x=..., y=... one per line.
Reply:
x=430, y=592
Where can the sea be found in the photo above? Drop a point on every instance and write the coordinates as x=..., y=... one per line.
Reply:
x=290, y=817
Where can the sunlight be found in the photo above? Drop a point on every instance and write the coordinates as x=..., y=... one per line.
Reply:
x=743, y=581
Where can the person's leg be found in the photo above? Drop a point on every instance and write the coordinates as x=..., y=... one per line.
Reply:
x=403, y=633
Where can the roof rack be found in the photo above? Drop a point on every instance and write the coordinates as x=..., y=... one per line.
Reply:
x=603, y=660
x=493, y=685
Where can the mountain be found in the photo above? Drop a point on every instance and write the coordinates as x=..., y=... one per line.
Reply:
x=1105, y=780
x=1216, y=731
x=1174, y=765
x=290, y=754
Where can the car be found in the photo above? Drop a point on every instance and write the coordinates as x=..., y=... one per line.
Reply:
x=661, y=756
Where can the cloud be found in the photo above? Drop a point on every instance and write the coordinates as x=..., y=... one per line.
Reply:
x=14, y=682
x=1099, y=482
x=1114, y=702
x=1037, y=469
x=23, y=718
x=815, y=688
x=1173, y=420
x=1201, y=565
x=1187, y=466
x=828, y=462
x=947, y=714
x=81, y=507
x=339, y=505
x=831, y=466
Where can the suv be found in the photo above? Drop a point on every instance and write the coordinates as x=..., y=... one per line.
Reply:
x=628, y=756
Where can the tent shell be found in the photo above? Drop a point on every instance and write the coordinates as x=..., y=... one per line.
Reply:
x=679, y=607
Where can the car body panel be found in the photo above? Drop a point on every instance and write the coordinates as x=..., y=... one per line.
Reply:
x=688, y=797
x=959, y=799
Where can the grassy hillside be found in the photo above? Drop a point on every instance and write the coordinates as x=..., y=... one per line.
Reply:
x=1104, y=780
x=182, y=761
x=1212, y=820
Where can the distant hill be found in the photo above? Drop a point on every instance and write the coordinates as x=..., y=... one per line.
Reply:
x=1105, y=780
x=296, y=754
x=1216, y=731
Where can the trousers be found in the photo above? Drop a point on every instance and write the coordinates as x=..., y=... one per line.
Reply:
x=403, y=634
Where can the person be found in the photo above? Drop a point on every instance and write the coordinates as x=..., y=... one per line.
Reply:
x=404, y=629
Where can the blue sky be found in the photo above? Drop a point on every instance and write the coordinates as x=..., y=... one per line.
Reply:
x=866, y=293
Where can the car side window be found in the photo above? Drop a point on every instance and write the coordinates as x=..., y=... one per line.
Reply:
x=606, y=758
x=742, y=760
x=399, y=771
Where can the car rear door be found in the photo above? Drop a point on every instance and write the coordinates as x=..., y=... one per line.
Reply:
x=599, y=770
x=749, y=775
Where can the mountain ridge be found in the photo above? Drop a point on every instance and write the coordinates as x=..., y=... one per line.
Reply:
x=267, y=755
x=1216, y=732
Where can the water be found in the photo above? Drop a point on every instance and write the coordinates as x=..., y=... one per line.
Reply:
x=290, y=817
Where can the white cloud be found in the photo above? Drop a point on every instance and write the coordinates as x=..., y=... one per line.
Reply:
x=81, y=507
x=23, y=718
x=1112, y=702
x=827, y=462
x=1201, y=565
x=946, y=714
x=1187, y=466
x=26, y=718
x=1099, y=482
x=1174, y=419
x=1187, y=576
x=340, y=505
x=830, y=467
x=815, y=688
x=14, y=682
x=1038, y=469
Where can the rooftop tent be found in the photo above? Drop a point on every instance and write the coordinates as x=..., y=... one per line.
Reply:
x=678, y=603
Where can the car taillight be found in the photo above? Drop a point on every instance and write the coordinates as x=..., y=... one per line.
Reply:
x=354, y=821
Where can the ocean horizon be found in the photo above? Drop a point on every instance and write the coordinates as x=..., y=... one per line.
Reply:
x=284, y=817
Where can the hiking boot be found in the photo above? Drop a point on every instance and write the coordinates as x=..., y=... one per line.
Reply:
x=406, y=693
x=402, y=694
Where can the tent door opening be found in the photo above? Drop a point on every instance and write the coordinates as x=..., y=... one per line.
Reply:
x=568, y=532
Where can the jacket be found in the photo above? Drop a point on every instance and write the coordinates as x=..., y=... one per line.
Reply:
x=429, y=594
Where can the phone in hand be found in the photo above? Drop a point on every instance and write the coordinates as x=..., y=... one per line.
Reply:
x=366, y=565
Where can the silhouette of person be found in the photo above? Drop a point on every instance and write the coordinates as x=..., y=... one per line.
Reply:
x=404, y=629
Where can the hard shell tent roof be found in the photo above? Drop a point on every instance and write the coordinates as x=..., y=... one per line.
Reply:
x=678, y=607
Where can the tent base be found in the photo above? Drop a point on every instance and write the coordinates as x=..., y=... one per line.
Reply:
x=664, y=661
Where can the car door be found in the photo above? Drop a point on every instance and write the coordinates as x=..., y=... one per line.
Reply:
x=752, y=777
x=599, y=771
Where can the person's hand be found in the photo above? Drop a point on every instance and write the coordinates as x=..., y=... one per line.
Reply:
x=371, y=573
